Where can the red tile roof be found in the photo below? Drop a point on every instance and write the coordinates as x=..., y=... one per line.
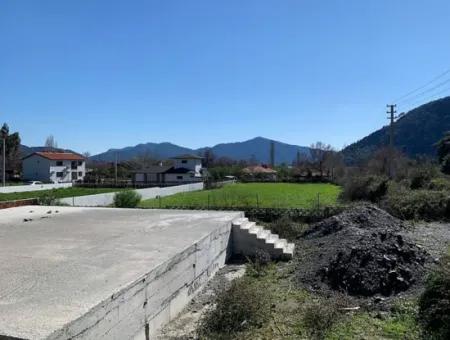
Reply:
x=259, y=169
x=60, y=156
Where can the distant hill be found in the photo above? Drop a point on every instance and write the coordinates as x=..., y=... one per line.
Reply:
x=257, y=148
x=415, y=133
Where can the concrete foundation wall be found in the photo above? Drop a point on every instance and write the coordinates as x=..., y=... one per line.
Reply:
x=24, y=188
x=103, y=200
x=137, y=311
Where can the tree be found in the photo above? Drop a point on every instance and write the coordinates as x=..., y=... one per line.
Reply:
x=50, y=142
x=443, y=151
x=13, y=157
x=319, y=152
x=208, y=158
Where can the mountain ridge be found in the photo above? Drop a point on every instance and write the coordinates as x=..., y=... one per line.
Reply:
x=415, y=133
x=257, y=148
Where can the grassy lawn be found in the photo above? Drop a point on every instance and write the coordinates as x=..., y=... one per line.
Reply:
x=266, y=195
x=57, y=193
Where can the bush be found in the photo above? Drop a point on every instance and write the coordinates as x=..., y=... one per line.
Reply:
x=127, y=199
x=242, y=306
x=434, y=303
x=48, y=198
x=366, y=188
x=421, y=176
x=426, y=205
x=319, y=316
x=257, y=266
x=439, y=184
x=286, y=228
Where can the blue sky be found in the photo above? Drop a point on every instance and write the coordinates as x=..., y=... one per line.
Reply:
x=99, y=74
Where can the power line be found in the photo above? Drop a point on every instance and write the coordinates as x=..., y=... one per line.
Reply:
x=422, y=86
x=425, y=92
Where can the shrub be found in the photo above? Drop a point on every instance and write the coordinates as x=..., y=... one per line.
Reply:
x=320, y=315
x=439, y=184
x=127, y=199
x=286, y=228
x=48, y=198
x=368, y=188
x=257, y=266
x=426, y=205
x=421, y=176
x=434, y=303
x=242, y=306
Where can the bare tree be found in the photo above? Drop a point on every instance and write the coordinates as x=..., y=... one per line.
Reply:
x=86, y=154
x=319, y=152
x=50, y=142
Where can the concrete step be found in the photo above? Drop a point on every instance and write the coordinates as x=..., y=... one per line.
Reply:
x=249, y=237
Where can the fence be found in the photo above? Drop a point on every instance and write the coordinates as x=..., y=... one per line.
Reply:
x=106, y=199
x=38, y=187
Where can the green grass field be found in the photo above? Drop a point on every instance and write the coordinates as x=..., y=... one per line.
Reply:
x=57, y=193
x=263, y=195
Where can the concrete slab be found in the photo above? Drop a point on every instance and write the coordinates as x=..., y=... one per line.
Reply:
x=88, y=273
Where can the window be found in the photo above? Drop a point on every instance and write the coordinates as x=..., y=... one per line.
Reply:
x=80, y=163
x=184, y=161
x=80, y=173
x=179, y=177
x=59, y=174
x=59, y=163
x=74, y=164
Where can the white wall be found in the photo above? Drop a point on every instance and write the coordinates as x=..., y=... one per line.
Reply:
x=36, y=168
x=24, y=188
x=191, y=164
x=103, y=200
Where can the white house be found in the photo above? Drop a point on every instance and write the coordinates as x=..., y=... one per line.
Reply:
x=185, y=169
x=54, y=167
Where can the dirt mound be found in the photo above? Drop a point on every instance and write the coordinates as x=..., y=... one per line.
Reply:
x=363, y=251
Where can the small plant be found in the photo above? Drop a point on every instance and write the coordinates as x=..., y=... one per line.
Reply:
x=127, y=199
x=319, y=316
x=286, y=228
x=257, y=266
x=434, y=303
x=48, y=198
x=242, y=306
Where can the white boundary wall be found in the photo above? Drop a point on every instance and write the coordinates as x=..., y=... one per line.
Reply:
x=103, y=200
x=39, y=187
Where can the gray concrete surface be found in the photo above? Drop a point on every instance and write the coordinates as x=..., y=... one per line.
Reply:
x=102, y=273
x=106, y=199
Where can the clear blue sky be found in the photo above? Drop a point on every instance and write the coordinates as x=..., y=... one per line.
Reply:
x=103, y=73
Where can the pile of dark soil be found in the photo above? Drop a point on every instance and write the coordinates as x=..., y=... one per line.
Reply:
x=363, y=251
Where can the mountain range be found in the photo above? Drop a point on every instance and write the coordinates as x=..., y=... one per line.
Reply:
x=257, y=148
x=415, y=133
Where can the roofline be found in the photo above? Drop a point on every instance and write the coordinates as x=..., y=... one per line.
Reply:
x=37, y=153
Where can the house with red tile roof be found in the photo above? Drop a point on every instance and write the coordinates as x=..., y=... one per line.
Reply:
x=54, y=167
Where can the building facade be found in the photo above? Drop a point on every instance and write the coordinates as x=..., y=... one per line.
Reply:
x=185, y=169
x=54, y=167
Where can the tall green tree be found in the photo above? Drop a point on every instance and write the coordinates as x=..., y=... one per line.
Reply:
x=443, y=151
x=13, y=156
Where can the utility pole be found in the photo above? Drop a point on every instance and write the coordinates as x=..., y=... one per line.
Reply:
x=391, y=112
x=4, y=162
x=4, y=135
x=115, y=170
x=272, y=154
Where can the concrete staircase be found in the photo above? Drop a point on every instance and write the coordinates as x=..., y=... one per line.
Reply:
x=248, y=238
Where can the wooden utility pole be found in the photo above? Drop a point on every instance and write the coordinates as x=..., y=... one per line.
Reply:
x=272, y=154
x=115, y=170
x=391, y=116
